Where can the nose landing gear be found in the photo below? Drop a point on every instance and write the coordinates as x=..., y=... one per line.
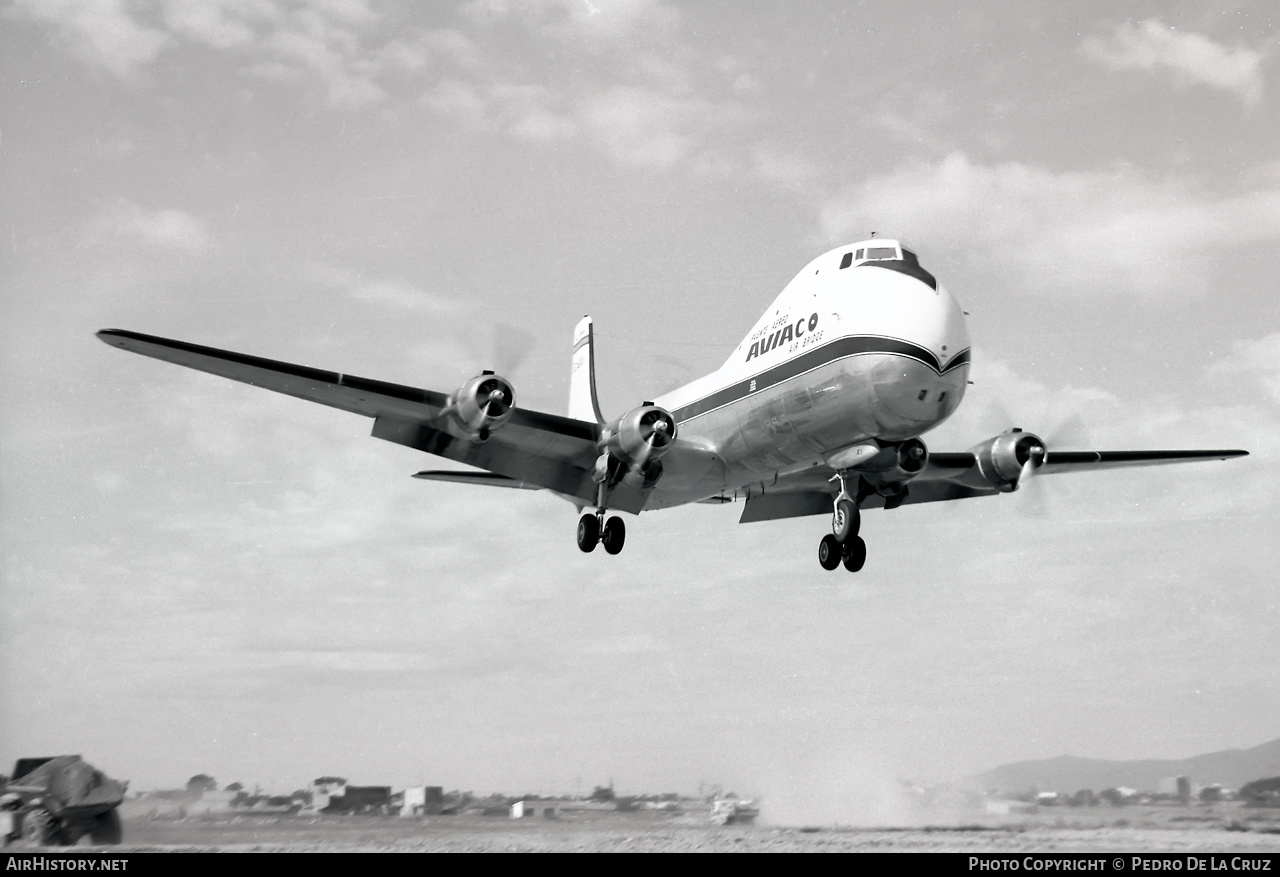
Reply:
x=843, y=544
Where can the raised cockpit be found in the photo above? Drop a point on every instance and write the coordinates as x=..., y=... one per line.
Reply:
x=886, y=253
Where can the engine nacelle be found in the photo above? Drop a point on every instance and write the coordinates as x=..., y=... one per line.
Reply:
x=1008, y=458
x=480, y=406
x=640, y=436
x=631, y=445
x=886, y=468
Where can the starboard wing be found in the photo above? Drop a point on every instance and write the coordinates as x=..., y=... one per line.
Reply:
x=947, y=476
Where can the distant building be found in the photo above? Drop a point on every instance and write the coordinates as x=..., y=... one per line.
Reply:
x=422, y=801
x=326, y=788
x=531, y=807
x=360, y=799
x=1005, y=807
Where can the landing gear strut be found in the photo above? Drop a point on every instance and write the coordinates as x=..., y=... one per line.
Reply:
x=843, y=544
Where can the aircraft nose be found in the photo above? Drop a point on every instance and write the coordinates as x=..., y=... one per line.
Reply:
x=923, y=381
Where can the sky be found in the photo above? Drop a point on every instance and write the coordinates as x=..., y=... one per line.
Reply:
x=203, y=577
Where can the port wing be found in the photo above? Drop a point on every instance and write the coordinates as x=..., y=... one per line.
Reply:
x=533, y=448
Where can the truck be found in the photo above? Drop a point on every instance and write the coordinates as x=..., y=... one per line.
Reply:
x=59, y=800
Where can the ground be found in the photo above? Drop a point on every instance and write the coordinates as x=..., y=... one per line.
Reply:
x=1220, y=828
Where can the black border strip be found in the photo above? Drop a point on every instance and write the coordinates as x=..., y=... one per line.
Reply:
x=854, y=345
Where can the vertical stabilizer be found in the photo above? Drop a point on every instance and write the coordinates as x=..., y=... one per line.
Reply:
x=582, y=379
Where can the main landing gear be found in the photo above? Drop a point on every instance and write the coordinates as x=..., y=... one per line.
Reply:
x=593, y=528
x=843, y=544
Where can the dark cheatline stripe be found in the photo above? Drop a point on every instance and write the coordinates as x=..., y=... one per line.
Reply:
x=841, y=348
x=961, y=358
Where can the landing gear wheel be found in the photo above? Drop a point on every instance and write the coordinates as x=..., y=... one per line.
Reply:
x=38, y=829
x=829, y=552
x=615, y=533
x=855, y=554
x=588, y=532
x=845, y=520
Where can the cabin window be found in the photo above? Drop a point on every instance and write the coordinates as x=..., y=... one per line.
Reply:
x=847, y=260
x=923, y=393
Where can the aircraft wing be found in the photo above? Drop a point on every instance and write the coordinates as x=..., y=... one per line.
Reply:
x=948, y=476
x=531, y=449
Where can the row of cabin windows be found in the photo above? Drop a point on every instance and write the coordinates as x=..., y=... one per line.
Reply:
x=871, y=254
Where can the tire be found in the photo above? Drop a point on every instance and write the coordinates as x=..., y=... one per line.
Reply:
x=106, y=829
x=855, y=554
x=845, y=520
x=615, y=533
x=829, y=552
x=588, y=532
x=38, y=828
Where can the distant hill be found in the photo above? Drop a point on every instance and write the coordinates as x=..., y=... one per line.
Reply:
x=1067, y=773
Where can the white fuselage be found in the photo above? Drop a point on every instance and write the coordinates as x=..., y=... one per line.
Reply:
x=873, y=350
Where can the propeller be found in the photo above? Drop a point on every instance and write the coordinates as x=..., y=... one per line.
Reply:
x=657, y=432
x=1069, y=434
x=494, y=397
x=1035, y=459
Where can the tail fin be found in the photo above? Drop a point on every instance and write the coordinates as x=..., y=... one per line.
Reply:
x=582, y=379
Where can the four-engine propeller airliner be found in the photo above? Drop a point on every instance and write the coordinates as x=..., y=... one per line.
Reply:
x=819, y=410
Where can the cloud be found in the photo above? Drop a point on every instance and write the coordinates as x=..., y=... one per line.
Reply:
x=167, y=229
x=100, y=32
x=525, y=112
x=326, y=43
x=222, y=24
x=576, y=19
x=1192, y=58
x=1077, y=232
x=1258, y=359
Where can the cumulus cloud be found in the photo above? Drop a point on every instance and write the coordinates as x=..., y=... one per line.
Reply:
x=1258, y=359
x=1190, y=57
x=525, y=112
x=575, y=19
x=164, y=228
x=102, y=33
x=1076, y=232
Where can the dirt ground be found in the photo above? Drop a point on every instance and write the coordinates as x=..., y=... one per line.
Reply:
x=1221, y=828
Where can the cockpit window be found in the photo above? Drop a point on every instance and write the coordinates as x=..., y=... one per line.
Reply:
x=847, y=260
x=859, y=255
x=882, y=253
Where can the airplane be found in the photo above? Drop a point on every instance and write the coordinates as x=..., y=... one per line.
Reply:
x=818, y=411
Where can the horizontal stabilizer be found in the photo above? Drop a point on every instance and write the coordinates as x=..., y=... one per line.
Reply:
x=487, y=478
